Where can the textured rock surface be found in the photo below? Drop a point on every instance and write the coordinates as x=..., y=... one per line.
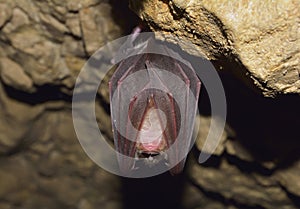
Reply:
x=263, y=193
x=263, y=36
x=255, y=166
x=43, y=46
x=52, y=171
x=52, y=39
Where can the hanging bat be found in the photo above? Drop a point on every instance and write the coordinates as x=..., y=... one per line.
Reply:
x=147, y=120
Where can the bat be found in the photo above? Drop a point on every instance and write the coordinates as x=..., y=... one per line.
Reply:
x=150, y=125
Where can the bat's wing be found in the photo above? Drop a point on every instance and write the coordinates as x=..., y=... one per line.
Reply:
x=121, y=102
x=179, y=103
x=139, y=84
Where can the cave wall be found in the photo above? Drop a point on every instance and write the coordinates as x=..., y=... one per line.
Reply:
x=264, y=36
x=43, y=46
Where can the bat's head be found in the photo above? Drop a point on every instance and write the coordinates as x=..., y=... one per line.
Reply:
x=151, y=158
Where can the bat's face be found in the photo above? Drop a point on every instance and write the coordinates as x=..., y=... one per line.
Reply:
x=147, y=120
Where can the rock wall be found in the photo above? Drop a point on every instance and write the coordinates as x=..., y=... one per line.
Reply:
x=263, y=36
x=43, y=46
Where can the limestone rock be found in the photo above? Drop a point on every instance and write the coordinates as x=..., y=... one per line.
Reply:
x=76, y=5
x=95, y=33
x=236, y=149
x=204, y=127
x=73, y=24
x=240, y=188
x=43, y=46
x=5, y=14
x=288, y=178
x=14, y=115
x=193, y=198
x=18, y=18
x=263, y=36
x=52, y=39
x=13, y=75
